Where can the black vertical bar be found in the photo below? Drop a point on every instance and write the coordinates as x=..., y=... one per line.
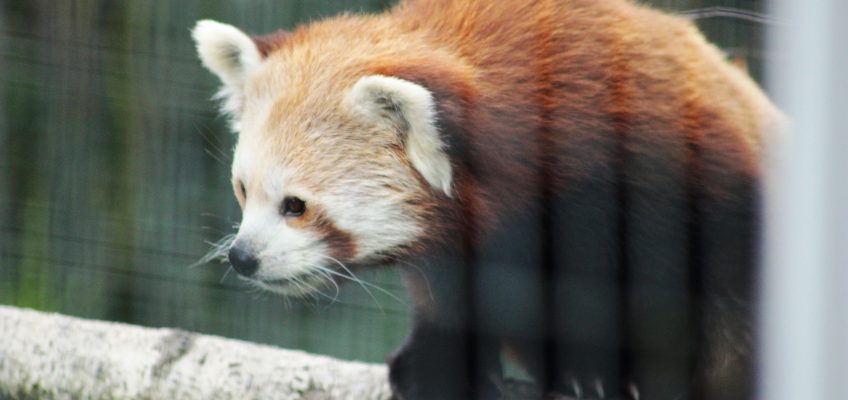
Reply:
x=695, y=260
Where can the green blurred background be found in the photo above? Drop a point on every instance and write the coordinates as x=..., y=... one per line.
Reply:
x=114, y=171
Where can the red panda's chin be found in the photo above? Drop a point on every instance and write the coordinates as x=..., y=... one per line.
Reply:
x=297, y=286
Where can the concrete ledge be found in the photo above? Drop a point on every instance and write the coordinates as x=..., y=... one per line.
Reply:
x=51, y=356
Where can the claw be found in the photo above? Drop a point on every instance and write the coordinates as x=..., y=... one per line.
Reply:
x=633, y=391
x=575, y=386
x=599, y=388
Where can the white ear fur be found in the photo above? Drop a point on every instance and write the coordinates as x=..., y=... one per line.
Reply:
x=408, y=107
x=228, y=53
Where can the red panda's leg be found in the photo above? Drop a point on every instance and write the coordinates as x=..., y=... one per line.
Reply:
x=444, y=356
x=434, y=363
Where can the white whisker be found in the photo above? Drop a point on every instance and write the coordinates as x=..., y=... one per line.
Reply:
x=302, y=287
x=218, y=251
x=227, y=272
x=328, y=278
x=314, y=291
x=352, y=277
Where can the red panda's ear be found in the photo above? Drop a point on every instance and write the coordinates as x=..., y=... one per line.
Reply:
x=408, y=108
x=231, y=55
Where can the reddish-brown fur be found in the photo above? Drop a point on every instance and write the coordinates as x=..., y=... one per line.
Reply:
x=536, y=96
x=268, y=43
x=535, y=86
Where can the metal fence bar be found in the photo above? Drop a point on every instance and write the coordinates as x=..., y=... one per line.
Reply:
x=804, y=304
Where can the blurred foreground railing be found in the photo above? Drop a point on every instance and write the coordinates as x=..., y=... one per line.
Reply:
x=804, y=318
x=50, y=356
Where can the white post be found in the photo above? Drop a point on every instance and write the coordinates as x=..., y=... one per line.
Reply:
x=804, y=323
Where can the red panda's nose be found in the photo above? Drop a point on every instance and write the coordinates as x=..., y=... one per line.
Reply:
x=243, y=260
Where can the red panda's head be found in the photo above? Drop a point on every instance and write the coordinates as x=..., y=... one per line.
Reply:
x=333, y=165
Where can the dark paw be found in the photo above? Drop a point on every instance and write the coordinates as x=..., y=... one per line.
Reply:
x=580, y=390
x=595, y=388
x=412, y=377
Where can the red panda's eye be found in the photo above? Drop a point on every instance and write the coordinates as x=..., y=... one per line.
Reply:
x=293, y=207
x=243, y=190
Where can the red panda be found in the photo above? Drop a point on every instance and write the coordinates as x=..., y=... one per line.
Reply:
x=577, y=181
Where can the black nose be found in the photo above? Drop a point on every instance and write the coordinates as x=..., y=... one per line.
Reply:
x=243, y=260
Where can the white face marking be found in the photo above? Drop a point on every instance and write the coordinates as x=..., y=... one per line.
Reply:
x=296, y=258
x=377, y=222
x=287, y=254
x=341, y=162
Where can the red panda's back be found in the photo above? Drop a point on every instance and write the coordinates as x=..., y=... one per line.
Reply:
x=564, y=85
